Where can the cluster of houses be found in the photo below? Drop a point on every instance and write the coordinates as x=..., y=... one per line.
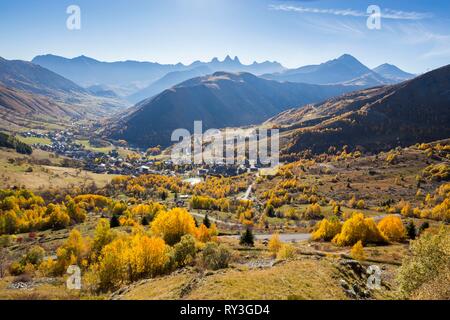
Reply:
x=63, y=143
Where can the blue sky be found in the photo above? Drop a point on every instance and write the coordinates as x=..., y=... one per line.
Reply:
x=415, y=34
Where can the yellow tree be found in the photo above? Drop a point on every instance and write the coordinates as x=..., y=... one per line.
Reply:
x=392, y=228
x=172, y=225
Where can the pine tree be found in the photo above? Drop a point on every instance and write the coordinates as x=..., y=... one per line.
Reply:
x=114, y=221
x=206, y=221
x=411, y=230
x=423, y=227
x=247, y=238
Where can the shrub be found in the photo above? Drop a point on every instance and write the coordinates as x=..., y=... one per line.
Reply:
x=359, y=228
x=184, y=251
x=438, y=172
x=102, y=236
x=407, y=210
x=286, y=252
x=313, y=212
x=172, y=225
x=215, y=256
x=34, y=256
x=204, y=234
x=429, y=262
x=16, y=268
x=275, y=243
x=360, y=204
x=75, y=250
x=423, y=227
x=327, y=229
x=357, y=251
x=392, y=228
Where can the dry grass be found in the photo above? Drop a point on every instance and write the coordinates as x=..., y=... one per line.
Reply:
x=43, y=177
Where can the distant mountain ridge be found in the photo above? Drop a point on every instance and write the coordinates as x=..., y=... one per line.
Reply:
x=344, y=70
x=128, y=77
x=219, y=100
x=137, y=81
x=393, y=73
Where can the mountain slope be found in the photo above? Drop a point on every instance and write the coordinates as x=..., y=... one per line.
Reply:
x=393, y=73
x=345, y=69
x=377, y=119
x=44, y=84
x=13, y=100
x=219, y=100
x=32, y=78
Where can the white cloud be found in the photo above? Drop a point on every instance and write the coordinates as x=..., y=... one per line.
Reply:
x=386, y=13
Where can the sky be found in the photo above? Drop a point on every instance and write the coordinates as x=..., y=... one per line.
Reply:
x=414, y=34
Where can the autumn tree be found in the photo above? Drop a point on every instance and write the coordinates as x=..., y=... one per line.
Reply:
x=103, y=235
x=327, y=229
x=172, y=225
x=359, y=228
x=392, y=228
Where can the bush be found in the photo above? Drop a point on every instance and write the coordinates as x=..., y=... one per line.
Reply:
x=392, y=228
x=16, y=268
x=184, y=251
x=275, y=243
x=423, y=227
x=313, y=212
x=34, y=256
x=215, y=256
x=327, y=229
x=102, y=236
x=357, y=251
x=426, y=271
x=359, y=228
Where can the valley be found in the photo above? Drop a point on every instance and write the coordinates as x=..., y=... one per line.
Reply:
x=87, y=180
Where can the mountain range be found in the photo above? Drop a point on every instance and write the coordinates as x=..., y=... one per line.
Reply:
x=136, y=81
x=372, y=119
x=128, y=77
x=344, y=70
x=220, y=100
